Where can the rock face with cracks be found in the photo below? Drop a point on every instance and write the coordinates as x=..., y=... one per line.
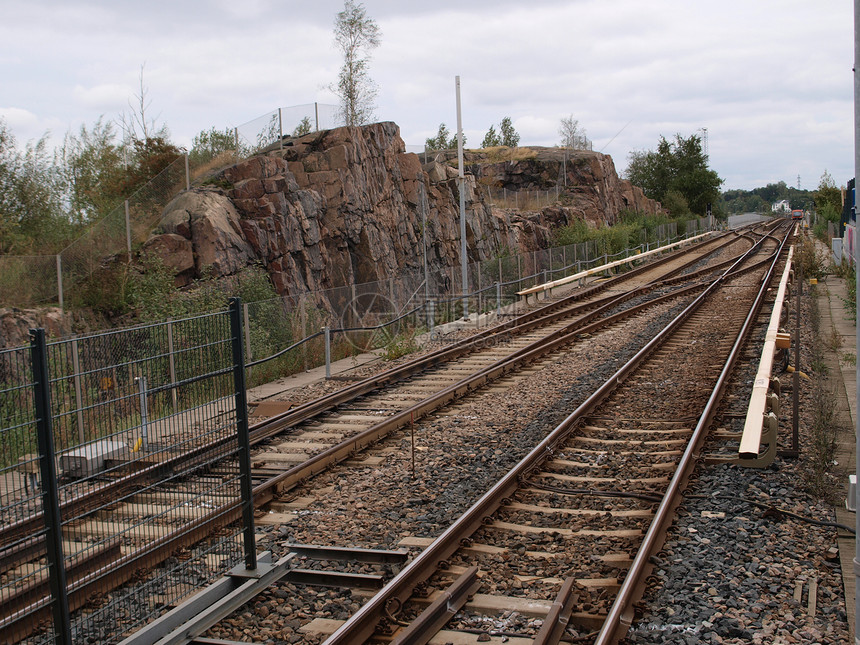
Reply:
x=349, y=205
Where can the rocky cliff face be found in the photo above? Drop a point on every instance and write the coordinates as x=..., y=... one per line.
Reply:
x=350, y=206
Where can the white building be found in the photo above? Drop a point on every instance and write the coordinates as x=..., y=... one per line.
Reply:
x=782, y=206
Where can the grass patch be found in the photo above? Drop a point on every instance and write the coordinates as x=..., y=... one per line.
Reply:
x=497, y=154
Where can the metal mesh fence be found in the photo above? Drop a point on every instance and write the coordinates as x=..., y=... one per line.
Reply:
x=268, y=129
x=24, y=569
x=143, y=423
x=32, y=280
x=354, y=313
x=28, y=279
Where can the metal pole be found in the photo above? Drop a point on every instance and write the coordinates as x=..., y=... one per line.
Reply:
x=424, y=206
x=236, y=141
x=144, y=412
x=316, y=117
x=79, y=399
x=857, y=275
x=327, y=332
x=498, y=301
x=243, y=452
x=303, y=321
x=247, y=325
x=462, y=184
x=280, y=129
x=171, y=360
x=60, y=280
x=50, y=491
x=187, y=173
x=128, y=229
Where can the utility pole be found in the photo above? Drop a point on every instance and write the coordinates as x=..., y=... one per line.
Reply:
x=462, y=183
x=857, y=274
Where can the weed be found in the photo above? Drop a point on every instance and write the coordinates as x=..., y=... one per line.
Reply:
x=834, y=341
x=808, y=260
x=820, y=447
x=850, y=358
x=401, y=344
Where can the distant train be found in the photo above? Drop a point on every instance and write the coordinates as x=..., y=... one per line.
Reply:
x=797, y=214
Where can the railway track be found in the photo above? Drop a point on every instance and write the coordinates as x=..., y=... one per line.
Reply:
x=561, y=544
x=319, y=436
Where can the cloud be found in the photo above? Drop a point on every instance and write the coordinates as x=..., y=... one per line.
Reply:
x=770, y=79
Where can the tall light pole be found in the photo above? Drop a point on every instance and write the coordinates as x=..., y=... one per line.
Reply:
x=857, y=275
x=704, y=140
x=462, y=185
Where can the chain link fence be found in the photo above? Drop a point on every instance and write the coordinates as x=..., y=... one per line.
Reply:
x=390, y=314
x=39, y=280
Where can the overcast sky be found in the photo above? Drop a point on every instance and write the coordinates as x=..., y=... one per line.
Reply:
x=770, y=80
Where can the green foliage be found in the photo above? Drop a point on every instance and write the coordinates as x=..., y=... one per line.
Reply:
x=828, y=198
x=400, y=344
x=674, y=202
x=491, y=139
x=508, y=134
x=152, y=291
x=810, y=263
x=679, y=166
x=93, y=169
x=822, y=434
x=355, y=34
x=444, y=140
x=632, y=229
x=208, y=144
x=760, y=200
x=848, y=272
x=32, y=217
x=152, y=295
x=304, y=127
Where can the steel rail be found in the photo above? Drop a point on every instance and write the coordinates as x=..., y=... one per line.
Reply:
x=124, y=568
x=362, y=624
x=117, y=488
x=620, y=615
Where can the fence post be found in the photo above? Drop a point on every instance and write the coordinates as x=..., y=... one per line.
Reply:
x=247, y=320
x=128, y=229
x=60, y=280
x=316, y=117
x=243, y=452
x=519, y=273
x=500, y=270
x=79, y=399
x=303, y=321
x=498, y=301
x=280, y=129
x=187, y=173
x=236, y=141
x=327, y=332
x=172, y=363
x=144, y=412
x=50, y=490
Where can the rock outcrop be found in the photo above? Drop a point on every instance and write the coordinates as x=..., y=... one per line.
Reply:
x=15, y=324
x=349, y=205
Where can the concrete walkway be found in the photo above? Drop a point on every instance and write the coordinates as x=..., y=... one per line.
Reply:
x=835, y=323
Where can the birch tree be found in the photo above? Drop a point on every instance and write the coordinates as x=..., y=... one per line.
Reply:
x=356, y=35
